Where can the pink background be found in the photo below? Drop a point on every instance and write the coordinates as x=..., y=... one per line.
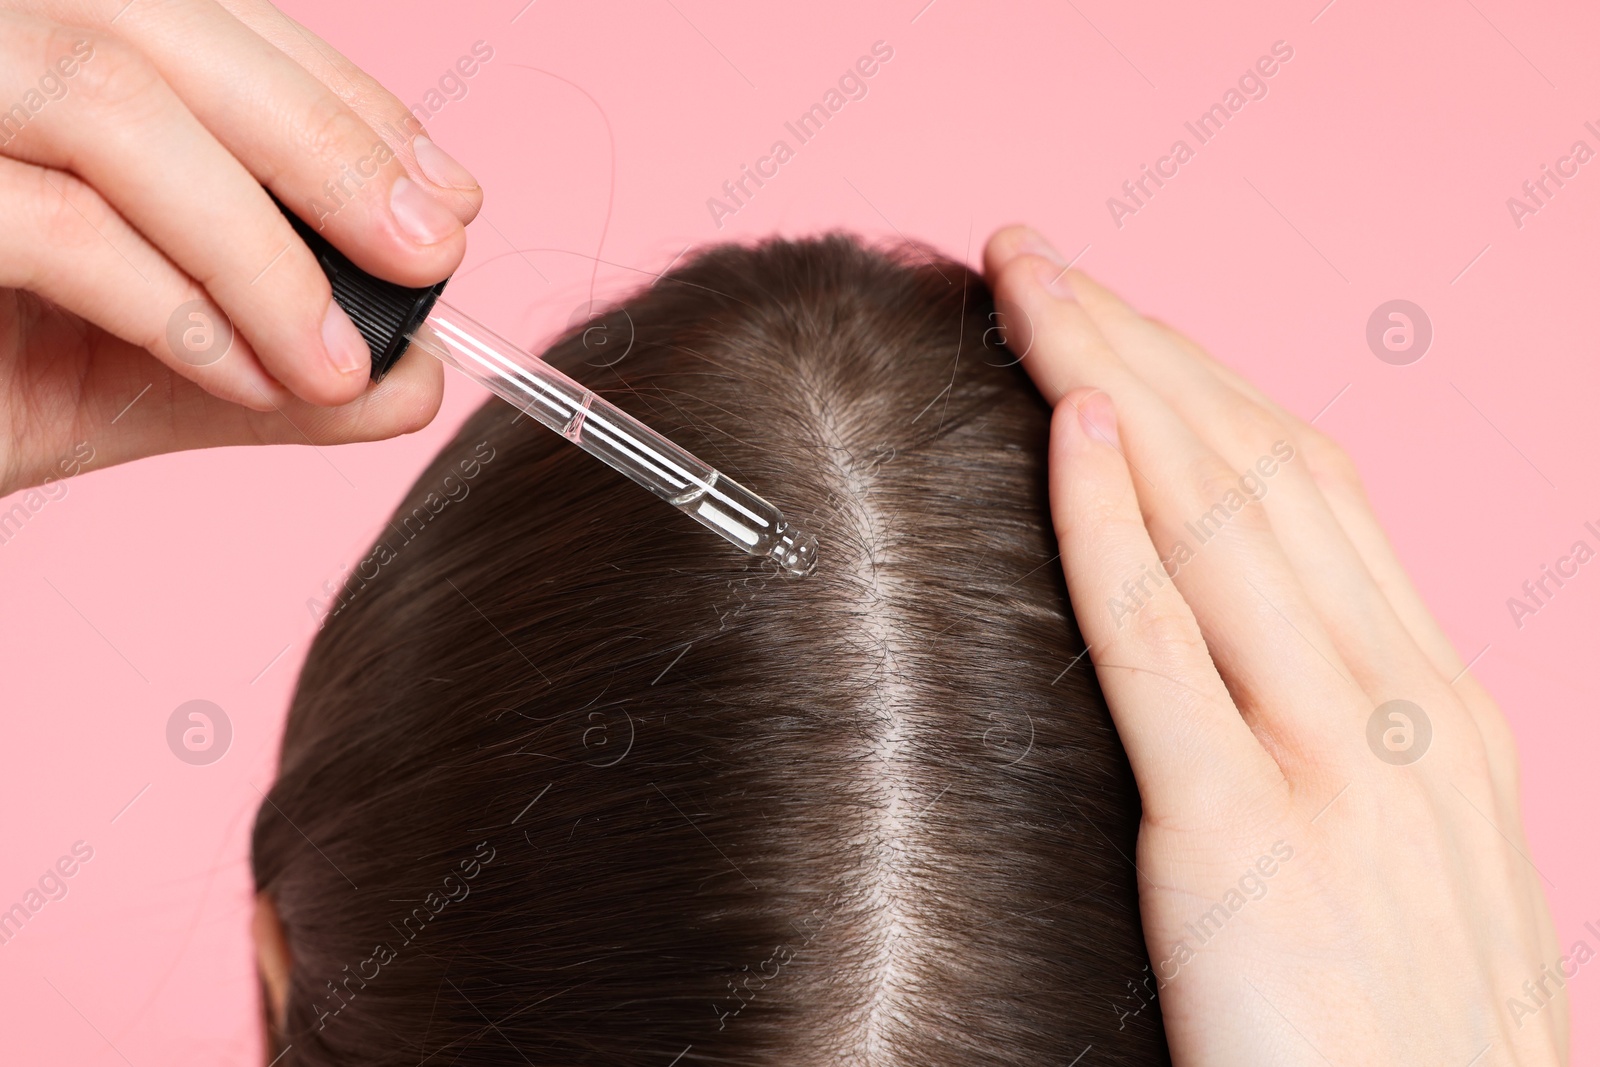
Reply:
x=1378, y=167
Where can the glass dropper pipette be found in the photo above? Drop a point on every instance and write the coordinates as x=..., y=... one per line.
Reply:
x=394, y=318
x=611, y=434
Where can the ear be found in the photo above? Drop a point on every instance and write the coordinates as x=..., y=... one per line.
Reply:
x=272, y=958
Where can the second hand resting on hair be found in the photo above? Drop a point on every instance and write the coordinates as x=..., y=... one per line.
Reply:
x=1242, y=689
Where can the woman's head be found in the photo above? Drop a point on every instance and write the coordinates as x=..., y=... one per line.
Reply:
x=567, y=780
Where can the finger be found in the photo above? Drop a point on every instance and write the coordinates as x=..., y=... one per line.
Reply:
x=1279, y=662
x=1184, y=737
x=450, y=183
x=297, y=137
x=121, y=128
x=61, y=240
x=1369, y=635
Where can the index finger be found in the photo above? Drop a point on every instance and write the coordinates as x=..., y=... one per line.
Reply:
x=449, y=182
x=302, y=141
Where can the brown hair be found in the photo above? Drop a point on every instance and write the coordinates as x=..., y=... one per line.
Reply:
x=567, y=780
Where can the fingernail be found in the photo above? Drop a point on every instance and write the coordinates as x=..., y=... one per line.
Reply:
x=1032, y=243
x=347, y=349
x=440, y=168
x=1099, y=418
x=1054, y=279
x=424, y=219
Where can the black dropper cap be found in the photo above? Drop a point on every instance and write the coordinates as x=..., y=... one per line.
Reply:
x=384, y=312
